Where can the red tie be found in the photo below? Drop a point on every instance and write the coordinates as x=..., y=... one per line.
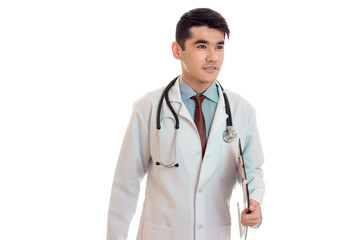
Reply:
x=200, y=121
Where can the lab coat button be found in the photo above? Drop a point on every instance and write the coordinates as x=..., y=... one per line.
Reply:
x=200, y=190
x=200, y=226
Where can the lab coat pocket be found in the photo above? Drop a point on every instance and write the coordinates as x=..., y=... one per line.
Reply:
x=225, y=232
x=156, y=232
x=229, y=159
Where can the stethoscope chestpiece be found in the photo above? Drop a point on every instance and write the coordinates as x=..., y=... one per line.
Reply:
x=229, y=134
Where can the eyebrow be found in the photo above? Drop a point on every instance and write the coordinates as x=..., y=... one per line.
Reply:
x=207, y=42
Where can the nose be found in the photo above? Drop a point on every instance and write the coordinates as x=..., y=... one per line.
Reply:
x=211, y=56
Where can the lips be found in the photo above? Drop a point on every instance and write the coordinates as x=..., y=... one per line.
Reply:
x=210, y=68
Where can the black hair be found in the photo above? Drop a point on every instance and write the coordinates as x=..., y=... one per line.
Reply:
x=197, y=18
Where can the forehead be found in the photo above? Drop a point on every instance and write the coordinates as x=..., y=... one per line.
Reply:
x=206, y=33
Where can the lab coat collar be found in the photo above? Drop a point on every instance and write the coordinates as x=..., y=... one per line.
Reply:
x=187, y=92
x=175, y=98
x=176, y=103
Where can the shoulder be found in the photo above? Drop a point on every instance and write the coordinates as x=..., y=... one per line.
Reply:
x=238, y=101
x=148, y=101
x=242, y=110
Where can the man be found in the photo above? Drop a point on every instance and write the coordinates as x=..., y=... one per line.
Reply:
x=191, y=171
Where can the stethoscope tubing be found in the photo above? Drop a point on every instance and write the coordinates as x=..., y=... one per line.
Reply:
x=227, y=107
x=166, y=96
x=229, y=134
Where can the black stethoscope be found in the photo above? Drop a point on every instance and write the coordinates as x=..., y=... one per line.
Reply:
x=228, y=136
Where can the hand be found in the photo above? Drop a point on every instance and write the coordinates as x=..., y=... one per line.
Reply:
x=253, y=218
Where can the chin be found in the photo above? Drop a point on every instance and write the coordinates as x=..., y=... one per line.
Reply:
x=210, y=79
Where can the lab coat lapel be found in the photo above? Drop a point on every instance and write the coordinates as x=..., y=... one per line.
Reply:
x=212, y=161
x=219, y=117
x=177, y=103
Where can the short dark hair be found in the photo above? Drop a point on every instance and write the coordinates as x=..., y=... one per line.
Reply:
x=197, y=18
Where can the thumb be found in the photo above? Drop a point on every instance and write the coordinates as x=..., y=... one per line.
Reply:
x=253, y=205
x=251, y=208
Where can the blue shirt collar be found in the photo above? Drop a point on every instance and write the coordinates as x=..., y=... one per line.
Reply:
x=187, y=92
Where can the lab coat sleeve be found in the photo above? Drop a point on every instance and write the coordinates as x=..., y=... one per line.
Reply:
x=131, y=167
x=254, y=158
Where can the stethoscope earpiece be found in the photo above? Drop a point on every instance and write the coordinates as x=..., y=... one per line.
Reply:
x=168, y=166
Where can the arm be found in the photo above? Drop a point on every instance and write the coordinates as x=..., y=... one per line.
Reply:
x=254, y=158
x=131, y=168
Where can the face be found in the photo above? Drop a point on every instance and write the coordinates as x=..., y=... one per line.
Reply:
x=202, y=58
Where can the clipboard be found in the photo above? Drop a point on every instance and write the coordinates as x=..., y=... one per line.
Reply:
x=245, y=193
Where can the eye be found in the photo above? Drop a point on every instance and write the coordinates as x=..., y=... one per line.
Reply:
x=201, y=46
x=220, y=47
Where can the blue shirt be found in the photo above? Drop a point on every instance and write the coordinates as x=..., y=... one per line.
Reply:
x=208, y=106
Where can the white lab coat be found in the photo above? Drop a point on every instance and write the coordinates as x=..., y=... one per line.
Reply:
x=190, y=202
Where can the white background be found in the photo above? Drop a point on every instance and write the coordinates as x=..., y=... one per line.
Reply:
x=70, y=71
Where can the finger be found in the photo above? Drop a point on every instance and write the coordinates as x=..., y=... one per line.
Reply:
x=251, y=216
x=250, y=223
x=247, y=219
x=244, y=212
x=252, y=220
x=245, y=215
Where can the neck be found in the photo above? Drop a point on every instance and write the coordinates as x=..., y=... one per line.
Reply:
x=197, y=86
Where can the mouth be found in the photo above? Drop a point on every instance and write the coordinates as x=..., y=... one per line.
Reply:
x=210, y=68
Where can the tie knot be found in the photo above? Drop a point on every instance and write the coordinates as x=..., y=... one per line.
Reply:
x=198, y=100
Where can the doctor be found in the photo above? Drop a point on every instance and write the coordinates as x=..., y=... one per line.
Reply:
x=191, y=171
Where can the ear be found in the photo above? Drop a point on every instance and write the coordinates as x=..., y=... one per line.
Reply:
x=176, y=50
